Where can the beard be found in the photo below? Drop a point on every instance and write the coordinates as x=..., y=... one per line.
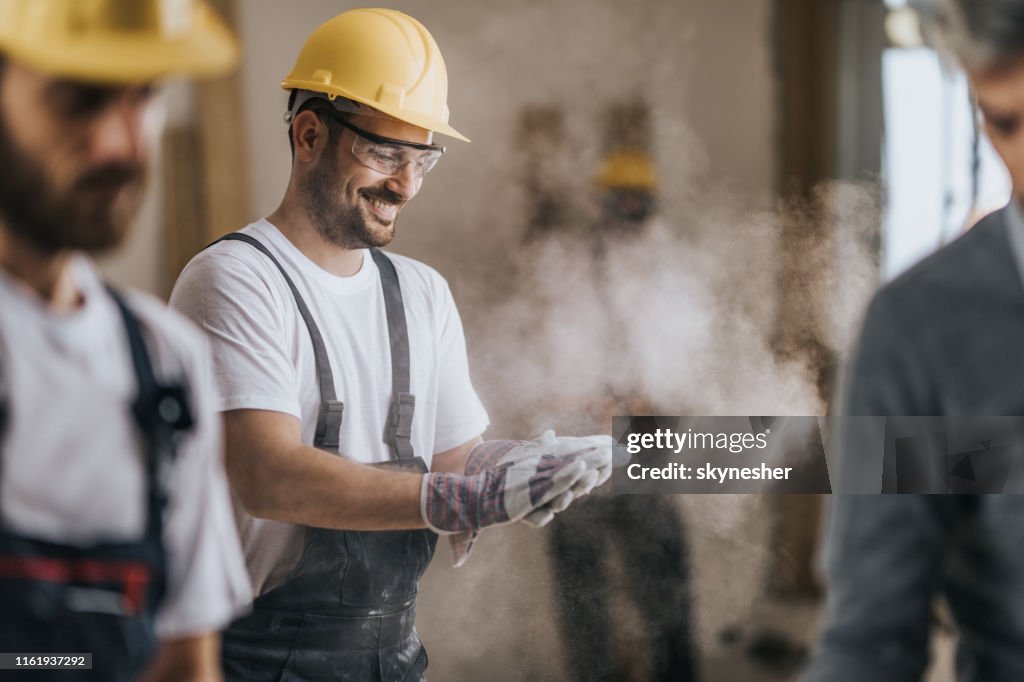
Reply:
x=343, y=225
x=93, y=214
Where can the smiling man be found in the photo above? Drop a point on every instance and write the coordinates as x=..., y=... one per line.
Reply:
x=343, y=376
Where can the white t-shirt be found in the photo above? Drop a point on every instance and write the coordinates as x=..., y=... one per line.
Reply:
x=72, y=460
x=263, y=359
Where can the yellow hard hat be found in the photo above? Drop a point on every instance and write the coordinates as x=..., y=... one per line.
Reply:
x=627, y=169
x=121, y=41
x=381, y=58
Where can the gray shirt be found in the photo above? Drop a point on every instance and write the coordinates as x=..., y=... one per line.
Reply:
x=945, y=338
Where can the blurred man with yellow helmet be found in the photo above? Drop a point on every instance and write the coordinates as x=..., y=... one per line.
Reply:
x=645, y=531
x=353, y=429
x=628, y=185
x=117, y=555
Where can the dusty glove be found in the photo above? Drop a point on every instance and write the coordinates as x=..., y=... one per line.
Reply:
x=594, y=452
x=454, y=503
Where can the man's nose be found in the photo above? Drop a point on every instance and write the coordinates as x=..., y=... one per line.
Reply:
x=117, y=134
x=406, y=182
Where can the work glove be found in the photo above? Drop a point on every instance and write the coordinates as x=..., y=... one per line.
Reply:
x=596, y=451
x=593, y=451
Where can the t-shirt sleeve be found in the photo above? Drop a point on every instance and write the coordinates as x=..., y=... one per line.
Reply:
x=207, y=583
x=460, y=414
x=240, y=313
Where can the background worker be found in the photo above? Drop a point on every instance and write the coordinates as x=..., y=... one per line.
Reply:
x=889, y=556
x=646, y=529
x=115, y=530
x=324, y=346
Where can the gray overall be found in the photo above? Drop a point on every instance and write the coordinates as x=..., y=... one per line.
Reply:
x=347, y=609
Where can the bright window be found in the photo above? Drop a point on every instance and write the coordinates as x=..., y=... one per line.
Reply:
x=927, y=158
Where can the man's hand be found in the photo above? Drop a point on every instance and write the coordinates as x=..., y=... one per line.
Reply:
x=593, y=451
x=453, y=503
x=596, y=451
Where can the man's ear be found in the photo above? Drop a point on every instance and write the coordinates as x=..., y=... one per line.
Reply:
x=308, y=135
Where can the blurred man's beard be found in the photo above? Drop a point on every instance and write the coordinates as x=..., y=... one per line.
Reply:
x=93, y=215
x=344, y=226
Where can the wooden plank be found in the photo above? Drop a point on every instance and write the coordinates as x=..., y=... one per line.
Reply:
x=806, y=49
x=205, y=169
x=221, y=114
x=183, y=214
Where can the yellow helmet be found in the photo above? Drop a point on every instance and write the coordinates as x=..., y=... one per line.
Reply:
x=627, y=169
x=381, y=58
x=121, y=41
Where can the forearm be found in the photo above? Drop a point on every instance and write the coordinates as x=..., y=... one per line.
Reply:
x=314, y=488
x=276, y=476
x=454, y=461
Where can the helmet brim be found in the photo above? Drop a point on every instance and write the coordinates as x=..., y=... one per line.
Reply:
x=411, y=117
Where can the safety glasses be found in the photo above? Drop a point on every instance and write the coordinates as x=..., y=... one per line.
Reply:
x=389, y=156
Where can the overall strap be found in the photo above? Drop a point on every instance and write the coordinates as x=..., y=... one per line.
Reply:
x=161, y=411
x=398, y=429
x=328, y=421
